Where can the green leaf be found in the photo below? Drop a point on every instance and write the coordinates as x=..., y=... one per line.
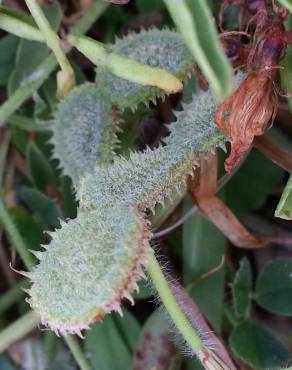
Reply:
x=274, y=287
x=253, y=183
x=110, y=344
x=203, y=249
x=257, y=347
x=45, y=208
x=194, y=20
x=40, y=169
x=241, y=288
x=29, y=229
x=8, y=46
x=19, y=25
x=284, y=207
x=155, y=349
x=31, y=54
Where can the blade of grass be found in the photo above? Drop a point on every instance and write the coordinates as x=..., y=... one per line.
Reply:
x=17, y=330
x=77, y=353
x=14, y=236
x=9, y=298
x=194, y=20
x=19, y=25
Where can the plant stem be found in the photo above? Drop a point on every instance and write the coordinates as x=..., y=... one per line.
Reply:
x=176, y=313
x=65, y=78
x=229, y=315
x=15, y=237
x=123, y=67
x=51, y=37
x=49, y=64
x=73, y=344
x=17, y=330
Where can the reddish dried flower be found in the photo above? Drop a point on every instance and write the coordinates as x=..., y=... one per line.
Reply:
x=246, y=113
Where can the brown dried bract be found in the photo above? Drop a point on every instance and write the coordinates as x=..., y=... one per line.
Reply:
x=246, y=113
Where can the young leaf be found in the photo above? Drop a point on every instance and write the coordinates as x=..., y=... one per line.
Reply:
x=194, y=20
x=257, y=347
x=274, y=287
x=241, y=288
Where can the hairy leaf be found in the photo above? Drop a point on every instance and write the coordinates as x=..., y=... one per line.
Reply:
x=91, y=263
x=84, y=131
x=158, y=48
x=124, y=182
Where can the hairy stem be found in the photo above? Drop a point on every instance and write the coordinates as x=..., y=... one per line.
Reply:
x=172, y=306
x=17, y=330
x=66, y=80
x=72, y=343
x=48, y=65
x=15, y=237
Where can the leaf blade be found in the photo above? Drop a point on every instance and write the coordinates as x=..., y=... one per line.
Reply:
x=194, y=21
